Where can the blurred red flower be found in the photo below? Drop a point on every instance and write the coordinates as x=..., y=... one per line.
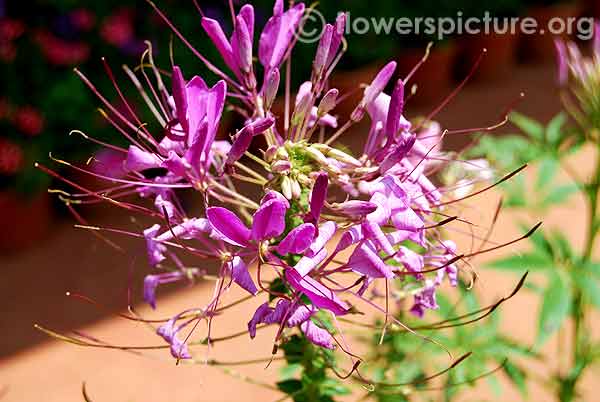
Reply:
x=61, y=52
x=11, y=157
x=29, y=120
x=10, y=29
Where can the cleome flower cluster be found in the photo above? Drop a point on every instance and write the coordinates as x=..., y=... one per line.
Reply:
x=580, y=77
x=324, y=222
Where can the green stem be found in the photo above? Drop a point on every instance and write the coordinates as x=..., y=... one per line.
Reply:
x=568, y=383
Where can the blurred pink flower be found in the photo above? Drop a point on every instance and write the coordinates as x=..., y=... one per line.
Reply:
x=117, y=29
x=83, y=19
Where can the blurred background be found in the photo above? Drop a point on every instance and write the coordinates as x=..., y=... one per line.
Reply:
x=41, y=100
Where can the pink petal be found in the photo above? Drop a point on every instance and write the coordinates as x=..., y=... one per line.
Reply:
x=241, y=45
x=138, y=160
x=318, y=294
x=318, y=197
x=228, y=226
x=307, y=264
x=317, y=335
x=247, y=13
x=407, y=220
x=298, y=240
x=396, y=109
x=215, y=33
x=367, y=262
x=379, y=83
x=349, y=238
x=269, y=220
x=278, y=34
x=241, y=276
x=180, y=98
x=326, y=232
x=301, y=314
x=259, y=315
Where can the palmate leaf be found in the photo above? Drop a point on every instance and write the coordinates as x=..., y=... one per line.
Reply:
x=556, y=304
x=532, y=128
x=559, y=194
x=516, y=375
x=547, y=172
x=540, y=242
x=525, y=262
x=589, y=287
x=592, y=268
x=554, y=131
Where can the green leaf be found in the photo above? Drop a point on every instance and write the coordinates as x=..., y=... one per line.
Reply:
x=547, y=172
x=529, y=126
x=554, y=133
x=560, y=194
x=525, y=262
x=290, y=371
x=289, y=386
x=540, y=241
x=555, y=307
x=593, y=268
x=331, y=387
x=516, y=376
x=589, y=288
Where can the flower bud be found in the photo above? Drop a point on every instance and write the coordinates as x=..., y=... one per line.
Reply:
x=286, y=187
x=396, y=109
x=317, y=156
x=322, y=55
x=378, y=84
x=354, y=208
x=296, y=189
x=282, y=153
x=271, y=86
x=259, y=126
x=336, y=39
x=281, y=167
x=328, y=103
x=270, y=153
x=244, y=45
x=343, y=157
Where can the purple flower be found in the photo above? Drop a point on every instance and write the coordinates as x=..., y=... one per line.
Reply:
x=168, y=332
x=425, y=300
x=151, y=282
x=155, y=249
